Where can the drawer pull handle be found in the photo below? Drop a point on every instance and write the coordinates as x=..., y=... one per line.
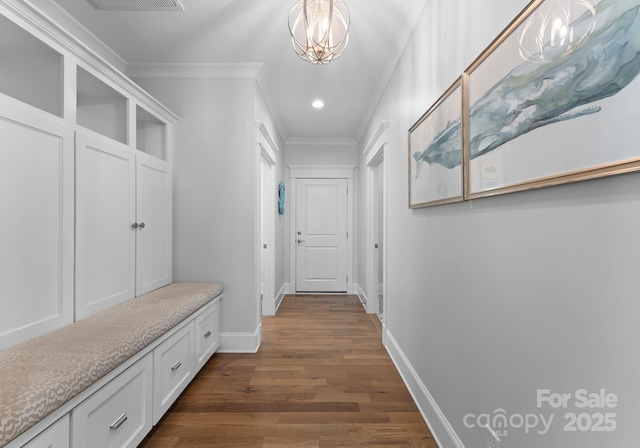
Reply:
x=118, y=423
x=176, y=366
x=207, y=334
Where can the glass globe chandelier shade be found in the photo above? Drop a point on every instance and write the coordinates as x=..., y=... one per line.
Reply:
x=556, y=28
x=319, y=29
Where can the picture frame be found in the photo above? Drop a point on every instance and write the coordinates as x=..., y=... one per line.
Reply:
x=436, y=152
x=548, y=116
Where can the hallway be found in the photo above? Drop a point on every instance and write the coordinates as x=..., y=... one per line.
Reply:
x=321, y=379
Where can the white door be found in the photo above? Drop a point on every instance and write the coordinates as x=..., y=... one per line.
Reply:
x=105, y=212
x=36, y=225
x=153, y=246
x=321, y=235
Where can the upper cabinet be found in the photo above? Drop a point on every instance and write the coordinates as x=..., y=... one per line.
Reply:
x=100, y=107
x=151, y=134
x=30, y=71
x=85, y=179
x=37, y=225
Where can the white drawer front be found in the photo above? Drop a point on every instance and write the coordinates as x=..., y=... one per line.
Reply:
x=119, y=414
x=207, y=334
x=55, y=436
x=172, y=369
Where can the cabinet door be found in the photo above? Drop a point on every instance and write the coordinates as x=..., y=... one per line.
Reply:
x=172, y=369
x=119, y=414
x=207, y=334
x=153, y=248
x=105, y=211
x=36, y=225
x=55, y=436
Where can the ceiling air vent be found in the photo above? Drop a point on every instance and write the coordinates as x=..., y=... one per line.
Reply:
x=137, y=5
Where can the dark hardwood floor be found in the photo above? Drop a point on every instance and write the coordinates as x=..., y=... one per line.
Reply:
x=321, y=379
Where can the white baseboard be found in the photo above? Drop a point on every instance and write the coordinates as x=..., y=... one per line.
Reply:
x=361, y=295
x=440, y=428
x=241, y=342
x=283, y=291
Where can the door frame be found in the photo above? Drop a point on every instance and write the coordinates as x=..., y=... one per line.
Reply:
x=375, y=155
x=322, y=172
x=267, y=151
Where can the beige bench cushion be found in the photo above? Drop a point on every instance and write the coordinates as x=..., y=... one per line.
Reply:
x=40, y=375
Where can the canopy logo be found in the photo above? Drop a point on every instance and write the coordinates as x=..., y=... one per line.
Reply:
x=501, y=422
x=589, y=418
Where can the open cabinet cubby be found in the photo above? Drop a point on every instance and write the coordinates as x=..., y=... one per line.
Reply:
x=100, y=107
x=30, y=70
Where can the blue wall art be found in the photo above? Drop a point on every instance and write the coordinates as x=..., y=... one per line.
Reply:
x=435, y=173
x=554, y=99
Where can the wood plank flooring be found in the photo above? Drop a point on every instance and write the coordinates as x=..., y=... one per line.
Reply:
x=321, y=379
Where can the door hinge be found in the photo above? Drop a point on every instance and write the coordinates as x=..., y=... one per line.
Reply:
x=347, y=235
x=347, y=279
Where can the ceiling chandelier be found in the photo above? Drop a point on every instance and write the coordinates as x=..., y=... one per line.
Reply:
x=556, y=28
x=319, y=29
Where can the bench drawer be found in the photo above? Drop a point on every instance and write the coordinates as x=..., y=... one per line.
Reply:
x=173, y=369
x=119, y=414
x=55, y=436
x=207, y=334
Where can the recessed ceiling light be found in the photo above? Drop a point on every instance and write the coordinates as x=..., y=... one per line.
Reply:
x=318, y=104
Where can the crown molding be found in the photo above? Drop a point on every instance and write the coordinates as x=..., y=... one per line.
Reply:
x=190, y=70
x=50, y=28
x=87, y=36
x=322, y=171
x=265, y=133
x=377, y=136
x=322, y=141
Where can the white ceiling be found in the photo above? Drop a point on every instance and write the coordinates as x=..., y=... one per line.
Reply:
x=256, y=31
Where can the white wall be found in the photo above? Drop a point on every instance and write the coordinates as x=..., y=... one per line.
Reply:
x=214, y=193
x=493, y=299
x=318, y=154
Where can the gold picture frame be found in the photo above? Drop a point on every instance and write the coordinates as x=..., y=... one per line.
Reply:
x=433, y=179
x=551, y=116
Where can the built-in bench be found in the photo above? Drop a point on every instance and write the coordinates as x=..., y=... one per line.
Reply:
x=61, y=368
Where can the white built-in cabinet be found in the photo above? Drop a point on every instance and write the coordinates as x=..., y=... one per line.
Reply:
x=153, y=216
x=36, y=225
x=105, y=211
x=122, y=407
x=85, y=180
x=123, y=215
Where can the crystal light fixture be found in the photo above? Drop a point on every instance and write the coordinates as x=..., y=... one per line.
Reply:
x=556, y=28
x=319, y=29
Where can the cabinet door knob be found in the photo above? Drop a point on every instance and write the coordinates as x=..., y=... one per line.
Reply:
x=176, y=366
x=207, y=334
x=141, y=225
x=134, y=226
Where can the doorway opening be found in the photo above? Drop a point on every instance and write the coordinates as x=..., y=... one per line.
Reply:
x=376, y=241
x=267, y=302
x=376, y=298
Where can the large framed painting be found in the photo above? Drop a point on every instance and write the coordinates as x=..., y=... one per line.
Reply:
x=555, y=98
x=435, y=152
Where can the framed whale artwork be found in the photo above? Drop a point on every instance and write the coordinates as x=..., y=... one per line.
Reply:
x=554, y=99
x=435, y=152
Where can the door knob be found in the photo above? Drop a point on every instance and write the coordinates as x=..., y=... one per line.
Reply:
x=134, y=226
x=141, y=225
x=299, y=233
x=300, y=241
